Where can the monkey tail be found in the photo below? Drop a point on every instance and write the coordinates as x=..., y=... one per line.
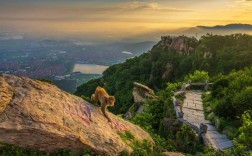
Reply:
x=103, y=109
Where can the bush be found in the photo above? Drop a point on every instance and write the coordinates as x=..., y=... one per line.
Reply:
x=243, y=143
x=224, y=108
x=143, y=148
x=197, y=76
x=187, y=141
x=218, y=87
x=12, y=150
x=243, y=101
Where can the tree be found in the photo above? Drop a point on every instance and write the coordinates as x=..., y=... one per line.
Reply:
x=197, y=76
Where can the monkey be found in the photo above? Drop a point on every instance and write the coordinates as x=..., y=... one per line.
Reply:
x=105, y=100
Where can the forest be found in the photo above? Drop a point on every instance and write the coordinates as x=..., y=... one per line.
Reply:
x=223, y=60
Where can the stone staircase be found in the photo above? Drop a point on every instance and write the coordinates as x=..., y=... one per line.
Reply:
x=192, y=114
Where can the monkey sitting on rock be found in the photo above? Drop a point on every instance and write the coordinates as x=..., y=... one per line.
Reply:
x=105, y=100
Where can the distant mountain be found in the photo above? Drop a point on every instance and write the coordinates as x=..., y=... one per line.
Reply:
x=228, y=27
x=218, y=29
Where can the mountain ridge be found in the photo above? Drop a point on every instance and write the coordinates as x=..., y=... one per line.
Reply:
x=228, y=26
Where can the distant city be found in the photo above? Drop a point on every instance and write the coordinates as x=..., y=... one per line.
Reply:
x=55, y=60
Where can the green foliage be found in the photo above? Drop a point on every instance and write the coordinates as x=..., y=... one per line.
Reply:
x=12, y=150
x=91, y=153
x=186, y=140
x=212, y=152
x=213, y=53
x=218, y=89
x=143, y=148
x=143, y=119
x=243, y=143
x=232, y=94
x=197, y=76
x=231, y=97
x=167, y=138
x=243, y=101
x=7, y=150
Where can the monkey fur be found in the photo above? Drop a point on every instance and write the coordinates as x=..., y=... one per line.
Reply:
x=105, y=100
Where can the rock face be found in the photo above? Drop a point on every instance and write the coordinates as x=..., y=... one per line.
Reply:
x=38, y=115
x=181, y=44
x=168, y=70
x=141, y=93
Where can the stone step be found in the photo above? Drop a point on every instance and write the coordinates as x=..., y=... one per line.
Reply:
x=193, y=98
x=198, y=102
x=193, y=113
x=224, y=145
x=193, y=107
x=194, y=117
x=188, y=110
x=188, y=101
x=193, y=95
x=216, y=135
x=211, y=127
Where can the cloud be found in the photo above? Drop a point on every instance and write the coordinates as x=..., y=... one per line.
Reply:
x=150, y=6
x=34, y=11
x=127, y=52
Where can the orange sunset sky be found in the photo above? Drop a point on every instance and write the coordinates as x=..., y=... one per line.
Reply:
x=117, y=18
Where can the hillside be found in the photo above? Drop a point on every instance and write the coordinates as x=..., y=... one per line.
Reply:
x=224, y=60
x=170, y=60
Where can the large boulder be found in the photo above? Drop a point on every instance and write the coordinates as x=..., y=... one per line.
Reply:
x=39, y=115
x=141, y=93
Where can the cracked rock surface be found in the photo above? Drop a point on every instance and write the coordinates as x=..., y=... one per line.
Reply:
x=39, y=115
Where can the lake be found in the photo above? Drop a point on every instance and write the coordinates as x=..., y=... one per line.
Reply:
x=89, y=68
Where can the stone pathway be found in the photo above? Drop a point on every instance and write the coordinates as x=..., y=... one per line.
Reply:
x=194, y=116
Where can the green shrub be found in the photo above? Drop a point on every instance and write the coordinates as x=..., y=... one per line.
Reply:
x=224, y=108
x=197, y=76
x=243, y=143
x=143, y=148
x=12, y=150
x=243, y=101
x=187, y=141
x=219, y=86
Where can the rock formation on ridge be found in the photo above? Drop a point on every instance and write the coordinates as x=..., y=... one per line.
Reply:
x=141, y=94
x=181, y=44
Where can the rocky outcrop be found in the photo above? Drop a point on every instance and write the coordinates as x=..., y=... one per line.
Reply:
x=141, y=94
x=182, y=45
x=39, y=115
x=168, y=70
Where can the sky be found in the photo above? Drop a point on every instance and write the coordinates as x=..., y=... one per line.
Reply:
x=117, y=19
